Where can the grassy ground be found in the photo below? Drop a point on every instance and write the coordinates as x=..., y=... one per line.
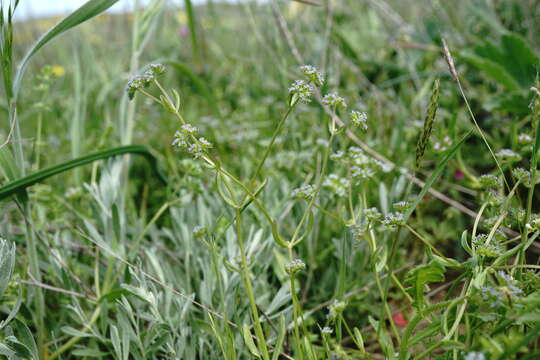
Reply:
x=170, y=190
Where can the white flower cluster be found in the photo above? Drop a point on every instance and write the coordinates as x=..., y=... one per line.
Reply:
x=334, y=100
x=302, y=89
x=312, y=74
x=394, y=219
x=141, y=81
x=508, y=155
x=303, y=192
x=337, y=184
x=294, y=267
x=185, y=139
x=359, y=118
x=442, y=145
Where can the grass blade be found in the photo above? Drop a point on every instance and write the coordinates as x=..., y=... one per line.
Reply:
x=22, y=183
x=435, y=174
x=87, y=11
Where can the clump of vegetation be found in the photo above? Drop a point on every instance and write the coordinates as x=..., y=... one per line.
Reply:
x=350, y=181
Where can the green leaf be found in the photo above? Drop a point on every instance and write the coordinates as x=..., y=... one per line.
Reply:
x=90, y=9
x=281, y=337
x=9, y=169
x=71, y=331
x=492, y=69
x=14, y=310
x=89, y=352
x=7, y=262
x=514, y=102
x=512, y=63
x=249, y=341
x=421, y=276
x=22, y=183
x=521, y=61
x=359, y=340
x=25, y=338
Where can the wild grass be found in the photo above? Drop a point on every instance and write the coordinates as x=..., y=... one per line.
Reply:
x=324, y=180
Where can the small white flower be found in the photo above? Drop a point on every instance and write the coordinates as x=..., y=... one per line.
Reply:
x=180, y=140
x=359, y=118
x=303, y=192
x=475, y=355
x=188, y=129
x=295, y=266
x=524, y=139
x=508, y=155
x=196, y=150
x=205, y=143
x=333, y=99
x=327, y=330
x=301, y=89
x=313, y=74
x=338, y=184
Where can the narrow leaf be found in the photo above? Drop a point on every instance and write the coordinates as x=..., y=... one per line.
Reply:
x=90, y=9
x=249, y=341
x=22, y=183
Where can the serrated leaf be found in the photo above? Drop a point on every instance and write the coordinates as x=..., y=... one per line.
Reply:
x=421, y=276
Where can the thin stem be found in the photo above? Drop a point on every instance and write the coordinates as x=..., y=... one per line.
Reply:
x=75, y=339
x=315, y=193
x=249, y=288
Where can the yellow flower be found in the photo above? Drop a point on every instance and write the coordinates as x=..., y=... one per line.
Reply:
x=58, y=70
x=181, y=17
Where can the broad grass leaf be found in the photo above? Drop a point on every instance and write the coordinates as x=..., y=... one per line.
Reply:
x=22, y=183
x=493, y=70
x=87, y=11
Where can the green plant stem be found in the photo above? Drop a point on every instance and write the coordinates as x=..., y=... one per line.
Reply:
x=244, y=270
x=296, y=315
x=295, y=238
x=276, y=133
x=35, y=272
x=424, y=241
x=468, y=106
x=385, y=309
x=75, y=339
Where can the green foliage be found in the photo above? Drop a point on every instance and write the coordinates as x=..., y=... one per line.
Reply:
x=421, y=276
x=325, y=196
